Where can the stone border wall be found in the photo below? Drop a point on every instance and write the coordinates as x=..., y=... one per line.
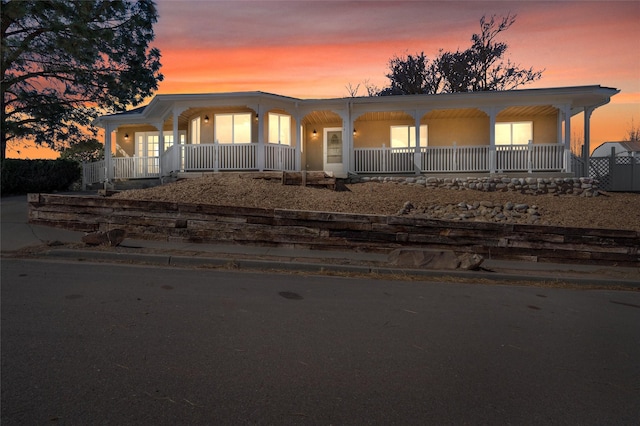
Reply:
x=324, y=230
x=585, y=187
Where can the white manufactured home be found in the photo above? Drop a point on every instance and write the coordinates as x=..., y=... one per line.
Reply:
x=482, y=132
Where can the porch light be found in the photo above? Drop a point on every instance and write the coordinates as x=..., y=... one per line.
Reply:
x=126, y=136
x=206, y=118
x=315, y=133
x=354, y=131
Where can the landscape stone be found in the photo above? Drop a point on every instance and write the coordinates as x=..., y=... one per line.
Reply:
x=423, y=258
x=111, y=238
x=470, y=261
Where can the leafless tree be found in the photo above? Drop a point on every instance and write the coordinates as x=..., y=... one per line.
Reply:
x=352, y=90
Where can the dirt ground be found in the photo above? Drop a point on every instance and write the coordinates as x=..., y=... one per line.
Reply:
x=608, y=210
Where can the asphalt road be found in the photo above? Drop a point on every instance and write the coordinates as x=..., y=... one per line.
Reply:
x=114, y=344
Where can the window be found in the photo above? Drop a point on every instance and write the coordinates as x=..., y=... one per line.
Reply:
x=405, y=136
x=279, y=129
x=195, y=130
x=168, y=138
x=233, y=128
x=515, y=133
x=148, y=143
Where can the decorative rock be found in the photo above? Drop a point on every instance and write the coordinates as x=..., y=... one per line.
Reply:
x=424, y=258
x=406, y=208
x=111, y=238
x=470, y=261
x=520, y=207
x=528, y=185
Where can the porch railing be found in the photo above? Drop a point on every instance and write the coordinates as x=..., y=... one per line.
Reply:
x=529, y=157
x=279, y=157
x=220, y=157
x=455, y=159
x=217, y=157
x=384, y=160
x=169, y=160
x=93, y=173
x=136, y=167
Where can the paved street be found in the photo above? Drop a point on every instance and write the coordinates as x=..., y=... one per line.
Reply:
x=115, y=344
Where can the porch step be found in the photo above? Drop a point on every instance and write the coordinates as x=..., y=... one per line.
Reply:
x=304, y=178
x=122, y=185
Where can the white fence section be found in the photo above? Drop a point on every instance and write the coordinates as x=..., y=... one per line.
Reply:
x=236, y=157
x=279, y=157
x=169, y=160
x=220, y=157
x=455, y=159
x=135, y=167
x=430, y=159
x=530, y=157
x=93, y=172
x=217, y=157
x=384, y=160
x=198, y=157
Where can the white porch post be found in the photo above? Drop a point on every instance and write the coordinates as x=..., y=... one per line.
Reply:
x=260, y=159
x=108, y=158
x=351, y=157
x=159, y=125
x=566, y=109
x=347, y=146
x=587, y=140
x=559, y=130
x=417, y=163
x=176, y=140
x=298, y=143
x=493, y=163
x=347, y=136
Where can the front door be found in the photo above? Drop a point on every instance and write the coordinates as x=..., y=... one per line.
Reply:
x=333, y=161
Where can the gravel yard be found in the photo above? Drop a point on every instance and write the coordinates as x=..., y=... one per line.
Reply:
x=608, y=210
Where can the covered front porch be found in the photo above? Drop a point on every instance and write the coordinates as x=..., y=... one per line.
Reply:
x=489, y=133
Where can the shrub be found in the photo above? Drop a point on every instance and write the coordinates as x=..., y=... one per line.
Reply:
x=84, y=151
x=24, y=176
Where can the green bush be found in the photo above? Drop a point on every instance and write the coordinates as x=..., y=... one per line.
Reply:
x=24, y=176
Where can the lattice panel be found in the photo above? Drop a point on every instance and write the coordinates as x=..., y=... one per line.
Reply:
x=627, y=160
x=599, y=169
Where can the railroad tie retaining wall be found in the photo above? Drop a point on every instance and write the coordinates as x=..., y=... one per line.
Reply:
x=326, y=230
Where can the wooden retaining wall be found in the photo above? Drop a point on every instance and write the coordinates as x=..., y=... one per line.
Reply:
x=324, y=230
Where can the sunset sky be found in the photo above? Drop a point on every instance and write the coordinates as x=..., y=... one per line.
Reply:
x=313, y=49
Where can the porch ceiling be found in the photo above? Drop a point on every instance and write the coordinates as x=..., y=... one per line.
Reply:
x=517, y=111
x=384, y=116
x=321, y=117
x=456, y=113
